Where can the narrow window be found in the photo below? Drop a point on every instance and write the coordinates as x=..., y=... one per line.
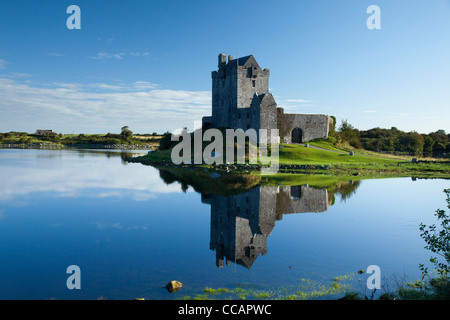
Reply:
x=253, y=83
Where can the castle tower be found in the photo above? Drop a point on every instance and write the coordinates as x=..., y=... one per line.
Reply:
x=241, y=100
x=233, y=86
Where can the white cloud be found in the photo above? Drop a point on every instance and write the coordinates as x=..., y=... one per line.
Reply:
x=98, y=107
x=105, y=55
x=299, y=100
x=3, y=64
x=17, y=75
x=295, y=105
x=139, y=54
x=119, y=55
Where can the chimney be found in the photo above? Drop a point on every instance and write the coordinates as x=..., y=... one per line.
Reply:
x=222, y=59
x=230, y=57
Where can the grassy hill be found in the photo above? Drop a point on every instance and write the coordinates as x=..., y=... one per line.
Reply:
x=301, y=160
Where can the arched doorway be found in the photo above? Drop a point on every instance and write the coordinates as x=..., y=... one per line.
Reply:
x=296, y=135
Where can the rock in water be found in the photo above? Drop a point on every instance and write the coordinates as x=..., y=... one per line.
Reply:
x=173, y=286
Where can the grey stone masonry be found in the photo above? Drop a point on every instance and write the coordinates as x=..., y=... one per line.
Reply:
x=241, y=100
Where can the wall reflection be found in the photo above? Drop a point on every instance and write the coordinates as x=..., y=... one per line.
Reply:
x=241, y=224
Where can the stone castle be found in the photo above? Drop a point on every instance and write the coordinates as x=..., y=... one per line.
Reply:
x=241, y=100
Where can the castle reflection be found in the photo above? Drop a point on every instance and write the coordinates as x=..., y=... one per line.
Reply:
x=241, y=224
x=244, y=211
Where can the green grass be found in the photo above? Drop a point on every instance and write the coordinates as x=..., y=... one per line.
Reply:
x=342, y=165
x=320, y=143
x=301, y=289
x=299, y=154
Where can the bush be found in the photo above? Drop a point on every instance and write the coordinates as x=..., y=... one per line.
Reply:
x=166, y=141
x=438, y=242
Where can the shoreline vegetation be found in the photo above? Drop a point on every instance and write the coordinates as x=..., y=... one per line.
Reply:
x=317, y=158
x=51, y=140
x=337, y=156
x=348, y=154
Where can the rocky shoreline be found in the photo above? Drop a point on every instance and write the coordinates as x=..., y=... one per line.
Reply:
x=72, y=146
x=229, y=168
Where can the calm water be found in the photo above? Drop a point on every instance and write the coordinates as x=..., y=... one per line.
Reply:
x=131, y=232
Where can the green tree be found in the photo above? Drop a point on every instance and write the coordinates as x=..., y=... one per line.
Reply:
x=439, y=147
x=349, y=133
x=166, y=141
x=411, y=142
x=126, y=133
x=428, y=144
x=438, y=241
x=345, y=126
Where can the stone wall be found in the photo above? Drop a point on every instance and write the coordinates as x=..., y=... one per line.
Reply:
x=313, y=126
x=224, y=96
x=245, y=81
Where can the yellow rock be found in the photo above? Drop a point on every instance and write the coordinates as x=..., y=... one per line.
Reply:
x=173, y=286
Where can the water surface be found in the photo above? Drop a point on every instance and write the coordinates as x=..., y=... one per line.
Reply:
x=130, y=229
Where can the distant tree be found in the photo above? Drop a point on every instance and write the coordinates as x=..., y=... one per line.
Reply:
x=24, y=140
x=412, y=142
x=350, y=134
x=439, y=147
x=439, y=136
x=345, y=126
x=428, y=144
x=51, y=136
x=166, y=141
x=126, y=133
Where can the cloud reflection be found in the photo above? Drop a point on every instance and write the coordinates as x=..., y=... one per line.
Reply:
x=77, y=174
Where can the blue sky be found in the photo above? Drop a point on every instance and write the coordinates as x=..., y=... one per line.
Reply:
x=147, y=64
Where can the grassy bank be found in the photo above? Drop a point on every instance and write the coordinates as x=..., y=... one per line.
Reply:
x=301, y=160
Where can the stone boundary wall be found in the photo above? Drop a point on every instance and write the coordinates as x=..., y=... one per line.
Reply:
x=313, y=126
